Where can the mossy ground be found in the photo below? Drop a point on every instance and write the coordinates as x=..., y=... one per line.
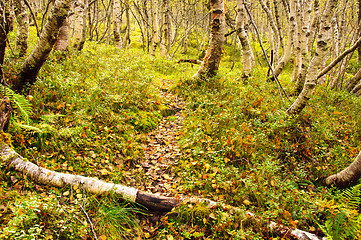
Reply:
x=92, y=109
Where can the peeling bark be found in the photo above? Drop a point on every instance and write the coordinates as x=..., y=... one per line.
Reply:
x=347, y=176
x=36, y=59
x=210, y=64
x=323, y=39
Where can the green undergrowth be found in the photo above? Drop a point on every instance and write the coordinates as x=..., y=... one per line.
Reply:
x=243, y=149
x=89, y=113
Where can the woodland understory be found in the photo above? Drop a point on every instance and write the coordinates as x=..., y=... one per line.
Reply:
x=180, y=119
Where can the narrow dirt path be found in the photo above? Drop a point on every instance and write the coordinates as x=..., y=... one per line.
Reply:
x=162, y=152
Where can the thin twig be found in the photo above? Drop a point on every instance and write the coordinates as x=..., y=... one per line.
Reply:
x=186, y=33
x=339, y=58
x=279, y=86
x=90, y=222
x=34, y=17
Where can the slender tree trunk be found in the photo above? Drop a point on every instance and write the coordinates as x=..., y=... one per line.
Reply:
x=22, y=20
x=78, y=24
x=315, y=25
x=36, y=59
x=291, y=33
x=304, y=37
x=248, y=60
x=277, y=39
x=62, y=42
x=117, y=23
x=323, y=40
x=126, y=39
x=359, y=29
x=210, y=64
x=166, y=37
x=347, y=176
x=155, y=18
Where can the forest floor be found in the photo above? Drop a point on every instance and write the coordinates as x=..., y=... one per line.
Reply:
x=129, y=118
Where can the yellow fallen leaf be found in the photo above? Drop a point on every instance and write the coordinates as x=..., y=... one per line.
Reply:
x=247, y=202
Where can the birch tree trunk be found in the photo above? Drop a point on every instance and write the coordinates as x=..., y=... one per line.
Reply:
x=22, y=20
x=166, y=37
x=314, y=25
x=347, y=176
x=117, y=21
x=36, y=59
x=248, y=60
x=303, y=44
x=62, y=42
x=155, y=19
x=323, y=40
x=278, y=42
x=79, y=14
x=211, y=60
x=126, y=39
x=290, y=39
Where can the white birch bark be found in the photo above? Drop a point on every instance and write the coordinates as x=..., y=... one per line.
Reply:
x=323, y=41
x=22, y=20
x=155, y=19
x=290, y=39
x=248, y=60
x=314, y=25
x=117, y=21
x=210, y=64
x=48, y=177
x=277, y=41
x=78, y=22
x=303, y=43
x=166, y=37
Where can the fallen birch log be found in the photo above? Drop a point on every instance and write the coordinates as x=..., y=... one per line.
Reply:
x=148, y=200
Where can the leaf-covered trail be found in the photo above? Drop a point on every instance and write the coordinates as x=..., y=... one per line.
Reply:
x=161, y=151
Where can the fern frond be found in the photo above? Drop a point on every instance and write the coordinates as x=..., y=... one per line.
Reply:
x=19, y=102
x=28, y=127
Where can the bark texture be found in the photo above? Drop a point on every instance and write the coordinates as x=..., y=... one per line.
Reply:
x=36, y=59
x=323, y=40
x=288, y=50
x=22, y=20
x=79, y=22
x=117, y=22
x=347, y=176
x=166, y=38
x=248, y=60
x=210, y=64
x=155, y=19
x=62, y=42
